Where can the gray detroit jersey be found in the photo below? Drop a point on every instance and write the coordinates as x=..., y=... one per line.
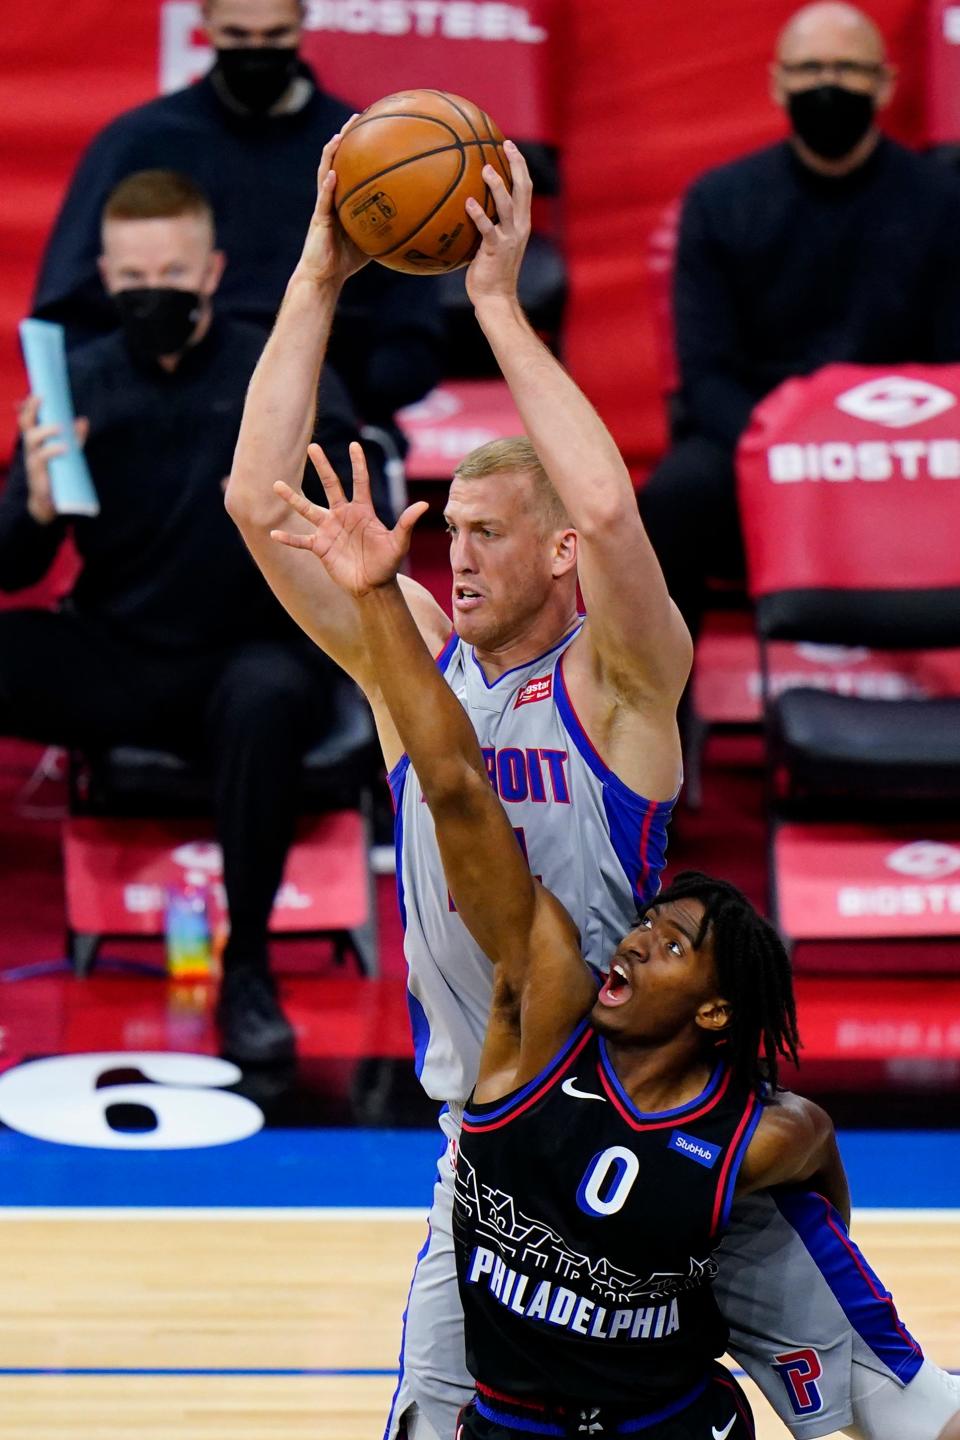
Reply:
x=592, y=841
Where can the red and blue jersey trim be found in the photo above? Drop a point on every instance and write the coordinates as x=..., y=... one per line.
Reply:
x=638, y=826
x=533, y=1418
x=867, y=1304
x=544, y=654
x=730, y=1170
x=713, y=1091
x=398, y=774
x=479, y=1117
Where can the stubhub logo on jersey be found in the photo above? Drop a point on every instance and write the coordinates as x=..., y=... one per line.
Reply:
x=895, y=402
x=699, y=1150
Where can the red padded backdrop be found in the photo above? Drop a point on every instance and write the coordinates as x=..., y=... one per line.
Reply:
x=655, y=93
x=649, y=95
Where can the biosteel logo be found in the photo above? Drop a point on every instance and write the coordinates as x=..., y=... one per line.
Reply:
x=895, y=401
x=185, y=54
x=925, y=860
x=839, y=460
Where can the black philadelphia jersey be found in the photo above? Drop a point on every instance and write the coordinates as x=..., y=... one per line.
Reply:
x=585, y=1232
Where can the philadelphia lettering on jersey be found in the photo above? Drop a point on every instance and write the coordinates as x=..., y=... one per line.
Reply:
x=546, y=1300
x=585, y=1230
x=591, y=840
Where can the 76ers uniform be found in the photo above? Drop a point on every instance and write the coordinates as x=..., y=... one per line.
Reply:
x=585, y=1233
x=600, y=848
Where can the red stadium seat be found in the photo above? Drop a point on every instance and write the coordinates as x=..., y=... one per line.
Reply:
x=139, y=824
x=850, y=505
x=942, y=89
x=453, y=419
x=661, y=261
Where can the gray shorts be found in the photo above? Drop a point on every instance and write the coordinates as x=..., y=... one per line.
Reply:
x=797, y=1296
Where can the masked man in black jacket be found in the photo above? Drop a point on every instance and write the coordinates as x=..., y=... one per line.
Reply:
x=170, y=637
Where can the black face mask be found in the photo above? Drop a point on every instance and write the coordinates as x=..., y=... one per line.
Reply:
x=158, y=320
x=830, y=120
x=257, y=75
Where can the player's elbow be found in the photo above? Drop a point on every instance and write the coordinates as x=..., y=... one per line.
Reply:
x=236, y=502
x=249, y=509
x=454, y=790
x=610, y=506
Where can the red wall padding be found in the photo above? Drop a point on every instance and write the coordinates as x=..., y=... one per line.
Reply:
x=654, y=94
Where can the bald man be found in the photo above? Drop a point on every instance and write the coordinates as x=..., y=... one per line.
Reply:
x=834, y=245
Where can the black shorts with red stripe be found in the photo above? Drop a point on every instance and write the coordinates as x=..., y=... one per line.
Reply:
x=716, y=1409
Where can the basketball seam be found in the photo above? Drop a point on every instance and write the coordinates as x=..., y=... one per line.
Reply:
x=454, y=144
x=460, y=146
x=407, y=160
x=404, y=115
x=405, y=239
x=488, y=198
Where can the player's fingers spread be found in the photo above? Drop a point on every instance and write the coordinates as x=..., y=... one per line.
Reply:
x=329, y=478
x=498, y=189
x=519, y=172
x=299, y=502
x=295, y=542
x=479, y=217
x=410, y=517
x=361, y=475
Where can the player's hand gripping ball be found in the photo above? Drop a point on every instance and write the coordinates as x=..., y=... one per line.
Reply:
x=405, y=169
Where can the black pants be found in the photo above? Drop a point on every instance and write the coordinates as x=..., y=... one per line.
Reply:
x=248, y=713
x=720, y=1409
x=689, y=509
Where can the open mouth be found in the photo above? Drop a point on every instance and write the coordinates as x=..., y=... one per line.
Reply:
x=616, y=989
x=466, y=598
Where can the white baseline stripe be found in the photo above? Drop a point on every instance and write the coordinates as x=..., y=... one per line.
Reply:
x=371, y=1215
x=281, y=1214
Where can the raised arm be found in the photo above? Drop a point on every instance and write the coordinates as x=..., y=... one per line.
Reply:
x=641, y=643
x=277, y=424
x=523, y=929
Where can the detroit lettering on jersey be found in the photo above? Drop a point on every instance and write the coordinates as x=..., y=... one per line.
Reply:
x=531, y=774
x=595, y=843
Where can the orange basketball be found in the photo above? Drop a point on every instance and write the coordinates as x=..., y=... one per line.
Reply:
x=404, y=171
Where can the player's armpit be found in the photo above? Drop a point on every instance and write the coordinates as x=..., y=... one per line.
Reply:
x=795, y=1144
x=540, y=996
x=642, y=646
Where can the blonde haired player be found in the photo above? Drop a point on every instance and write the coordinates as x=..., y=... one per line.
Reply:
x=576, y=718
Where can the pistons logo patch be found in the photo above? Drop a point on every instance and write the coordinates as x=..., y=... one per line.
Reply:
x=539, y=689
x=800, y=1370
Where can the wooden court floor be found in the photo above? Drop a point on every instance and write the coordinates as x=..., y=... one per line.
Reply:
x=271, y=1291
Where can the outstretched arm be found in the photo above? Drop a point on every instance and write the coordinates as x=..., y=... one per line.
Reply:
x=277, y=423
x=523, y=929
x=641, y=644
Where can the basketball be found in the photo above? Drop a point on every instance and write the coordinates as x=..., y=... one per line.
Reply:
x=405, y=169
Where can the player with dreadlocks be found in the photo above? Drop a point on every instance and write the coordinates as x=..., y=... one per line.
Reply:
x=753, y=971
x=609, y=1129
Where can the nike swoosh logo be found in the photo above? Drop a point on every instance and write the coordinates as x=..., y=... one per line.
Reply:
x=722, y=1434
x=569, y=1087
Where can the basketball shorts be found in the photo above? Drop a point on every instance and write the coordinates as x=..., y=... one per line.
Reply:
x=718, y=1406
